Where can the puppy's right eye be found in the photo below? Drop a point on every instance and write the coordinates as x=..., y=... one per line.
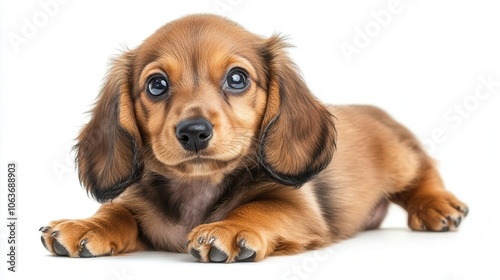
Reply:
x=237, y=81
x=157, y=85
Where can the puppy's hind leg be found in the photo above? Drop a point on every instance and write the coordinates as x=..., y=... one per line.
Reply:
x=430, y=207
x=112, y=230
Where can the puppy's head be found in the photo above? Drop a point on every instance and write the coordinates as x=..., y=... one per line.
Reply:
x=200, y=98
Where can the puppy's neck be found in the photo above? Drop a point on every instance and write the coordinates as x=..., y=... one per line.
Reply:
x=214, y=179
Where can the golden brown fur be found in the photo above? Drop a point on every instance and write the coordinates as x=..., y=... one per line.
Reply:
x=226, y=188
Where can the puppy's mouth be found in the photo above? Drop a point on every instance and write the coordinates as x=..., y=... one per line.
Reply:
x=204, y=165
x=201, y=159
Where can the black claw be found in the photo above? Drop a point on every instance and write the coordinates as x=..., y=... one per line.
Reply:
x=242, y=243
x=211, y=240
x=44, y=229
x=85, y=253
x=446, y=228
x=201, y=239
x=216, y=255
x=195, y=253
x=457, y=221
x=246, y=255
x=60, y=249
x=44, y=244
x=466, y=212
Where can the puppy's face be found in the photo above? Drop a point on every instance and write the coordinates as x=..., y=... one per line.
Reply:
x=202, y=97
x=199, y=96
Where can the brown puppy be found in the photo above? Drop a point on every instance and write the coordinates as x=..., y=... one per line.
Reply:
x=201, y=138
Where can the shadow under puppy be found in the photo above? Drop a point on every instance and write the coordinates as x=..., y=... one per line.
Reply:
x=201, y=138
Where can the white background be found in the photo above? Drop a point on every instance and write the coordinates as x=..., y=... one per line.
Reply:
x=425, y=61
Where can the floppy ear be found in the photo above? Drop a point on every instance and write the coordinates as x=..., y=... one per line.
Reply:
x=108, y=147
x=298, y=134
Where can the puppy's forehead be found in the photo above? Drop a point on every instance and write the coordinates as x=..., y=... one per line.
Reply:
x=198, y=38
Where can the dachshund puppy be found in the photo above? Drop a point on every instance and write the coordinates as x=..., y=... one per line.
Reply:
x=206, y=140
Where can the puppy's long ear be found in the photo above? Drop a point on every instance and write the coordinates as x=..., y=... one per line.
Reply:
x=298, y=134
x=108, y=147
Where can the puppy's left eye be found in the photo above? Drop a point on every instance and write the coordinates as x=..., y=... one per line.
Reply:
x=157, y=85
x=237, y=80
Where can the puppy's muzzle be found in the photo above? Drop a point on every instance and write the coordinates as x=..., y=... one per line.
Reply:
x=194, y=134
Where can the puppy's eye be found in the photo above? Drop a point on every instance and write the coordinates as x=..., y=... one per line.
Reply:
x=237, y=80
x=157, y=85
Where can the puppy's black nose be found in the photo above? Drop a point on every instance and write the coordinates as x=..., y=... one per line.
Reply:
x=194, y=134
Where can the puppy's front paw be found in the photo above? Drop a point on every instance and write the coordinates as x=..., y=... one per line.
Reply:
x=76, y=238
x=226, y=242
x=439, y=211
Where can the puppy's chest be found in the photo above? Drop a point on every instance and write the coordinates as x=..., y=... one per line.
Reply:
x=194, y=202
x=175, y=210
